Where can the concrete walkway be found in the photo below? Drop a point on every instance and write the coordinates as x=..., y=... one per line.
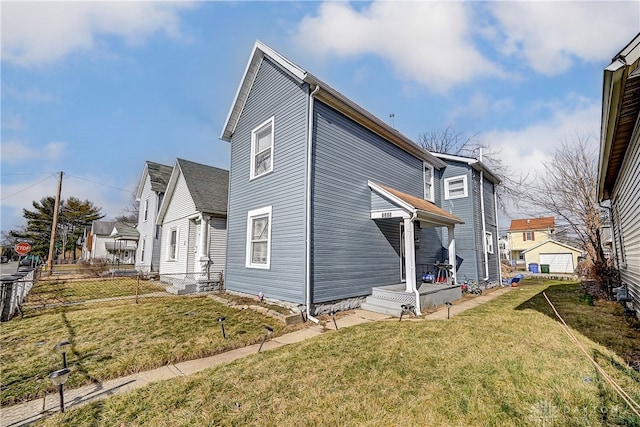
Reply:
x=29, y=412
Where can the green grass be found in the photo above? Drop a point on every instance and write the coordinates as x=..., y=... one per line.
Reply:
x=114, y=339
x=74, y=290
x=500, y=364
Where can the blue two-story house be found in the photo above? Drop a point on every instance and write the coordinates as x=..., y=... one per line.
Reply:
x=327, y=203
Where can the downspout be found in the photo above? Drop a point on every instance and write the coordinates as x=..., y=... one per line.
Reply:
x=495, y=210
x=308, y=208
x=415, y=287
x=484, y=227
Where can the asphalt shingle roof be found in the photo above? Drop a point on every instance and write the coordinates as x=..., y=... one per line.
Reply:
x=542, y=223
x=159, y=175
x=208, y=185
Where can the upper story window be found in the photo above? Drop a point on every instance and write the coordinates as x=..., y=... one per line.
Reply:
x=172, y=247
x=428, y=182
x=262, y=149
x=259, y=238
x=488, y=241
x=146, y=210
x=528, y=235
x=455, y=187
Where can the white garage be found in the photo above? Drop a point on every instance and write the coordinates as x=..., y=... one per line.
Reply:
x=559, y=257
x=558, y=263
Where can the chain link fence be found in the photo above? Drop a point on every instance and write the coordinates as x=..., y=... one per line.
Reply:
x=28, y=293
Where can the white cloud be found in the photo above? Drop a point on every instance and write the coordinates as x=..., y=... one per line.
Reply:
x=427, y=42
x=18, y=151
x=480, y=106
x=526, y=150
x=35, y=33
x=551, y=36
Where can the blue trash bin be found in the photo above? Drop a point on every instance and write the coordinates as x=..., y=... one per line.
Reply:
x=533, y=267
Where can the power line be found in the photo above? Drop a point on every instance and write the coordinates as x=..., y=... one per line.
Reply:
x=26, y=188
x=99, y=183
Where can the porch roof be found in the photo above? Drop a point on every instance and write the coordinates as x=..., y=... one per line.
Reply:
x=424, y=210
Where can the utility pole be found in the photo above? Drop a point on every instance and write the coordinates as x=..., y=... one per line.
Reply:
x=54, y=226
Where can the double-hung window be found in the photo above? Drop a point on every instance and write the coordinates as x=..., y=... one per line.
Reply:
x=172, y=248
x=528, y=235
x=142, y=247
x=146, y=209
x=259, y=238
x=455, y=187
x=428, y=182
x=262, y=149
x=488, y=241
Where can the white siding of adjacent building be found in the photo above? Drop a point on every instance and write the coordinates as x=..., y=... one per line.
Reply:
x=146, y=227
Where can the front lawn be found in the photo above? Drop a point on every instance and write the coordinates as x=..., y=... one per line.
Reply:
x=499, y=364
x=114, y=339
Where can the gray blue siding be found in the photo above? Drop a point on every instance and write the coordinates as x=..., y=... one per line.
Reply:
x=274, y=93
x=351, y=252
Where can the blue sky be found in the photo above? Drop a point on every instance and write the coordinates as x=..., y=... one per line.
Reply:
x=94, y=89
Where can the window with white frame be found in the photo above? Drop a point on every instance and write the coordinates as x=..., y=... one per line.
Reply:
x=146, y=209
x=428, y=182
x=528, y=235
x=455, y=187
x=488, y=241
x=144, y=240
x=259, y=238
x=262, y=149
x=172, y=247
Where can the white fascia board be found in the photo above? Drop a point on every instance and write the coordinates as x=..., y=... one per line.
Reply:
x=171, y=185
x=145, y=174
x=467, y=160
x=611, y=95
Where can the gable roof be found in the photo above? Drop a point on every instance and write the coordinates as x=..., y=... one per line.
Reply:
x=474, y=163
x=620, y=113
x=158, y=174
x=556, y=242
x=102, y=228
x=208, y=187
x=122, y=231
x=326, y=94
x=425, y=209
x=543, y=223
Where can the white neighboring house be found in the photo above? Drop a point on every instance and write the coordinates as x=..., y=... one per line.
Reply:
x=151, y=189
x=123, y=244
x=193, y=216
x=94, y=246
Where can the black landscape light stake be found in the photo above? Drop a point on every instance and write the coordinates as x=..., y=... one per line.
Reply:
x=61, y=348
x=221, y=321
x=268, y=332
x=333, y=316
x=448, y=304
x=59, y=378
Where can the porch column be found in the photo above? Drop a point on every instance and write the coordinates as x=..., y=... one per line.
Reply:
x=452, y=253
x=409, y=256
x=202, y=245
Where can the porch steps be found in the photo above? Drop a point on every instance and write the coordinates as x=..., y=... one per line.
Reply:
x=382, y=306
x=182, y=290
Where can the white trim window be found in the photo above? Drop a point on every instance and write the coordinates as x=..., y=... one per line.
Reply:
x=262, y=149
x=259, y=238
x=142, y=247
x=146, y=209
x=172, y=246
x=427, y=176
x=488, y=241
x=455, y=187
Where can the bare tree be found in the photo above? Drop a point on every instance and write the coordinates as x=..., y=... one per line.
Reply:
x=567, y=189
x=450, y=141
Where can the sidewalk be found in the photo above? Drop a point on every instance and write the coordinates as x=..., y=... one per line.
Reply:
x=32, y=411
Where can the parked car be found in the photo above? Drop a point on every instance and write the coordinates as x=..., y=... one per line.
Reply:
x=30, y=261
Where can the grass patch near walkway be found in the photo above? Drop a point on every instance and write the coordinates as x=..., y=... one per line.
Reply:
x=114, y=339
x=499, y=364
